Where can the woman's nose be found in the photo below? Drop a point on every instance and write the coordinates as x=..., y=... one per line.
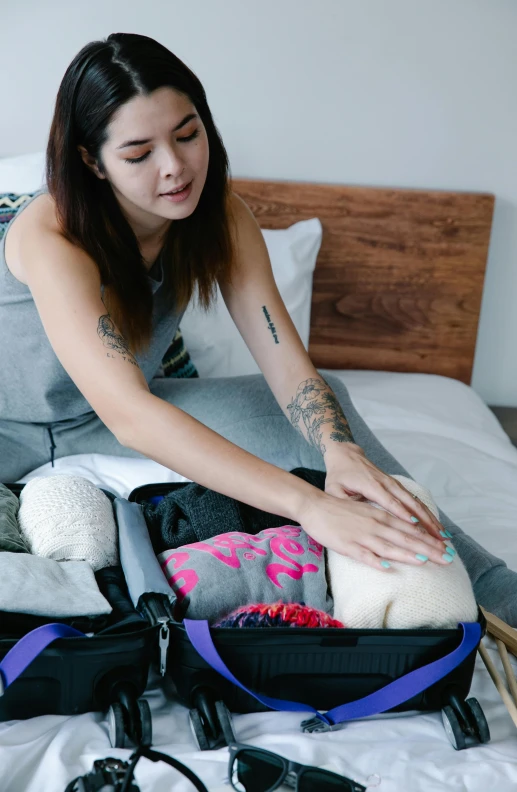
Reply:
x=172, y=163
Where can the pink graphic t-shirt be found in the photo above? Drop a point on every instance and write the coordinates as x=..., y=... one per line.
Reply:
x=214, y=577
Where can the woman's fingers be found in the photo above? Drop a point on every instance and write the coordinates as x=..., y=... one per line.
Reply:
x=338, y=491
x=393, y=497
x=379, y=552
x=406, y=537
x=399, y=502
x=365, y=556
x=418, y=509
x=371, y=535
x=397, y=545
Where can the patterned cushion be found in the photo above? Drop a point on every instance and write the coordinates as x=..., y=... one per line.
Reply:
x=176, y=362
x=9, y=205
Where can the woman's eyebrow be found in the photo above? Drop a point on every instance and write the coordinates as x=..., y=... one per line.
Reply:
x=182, y=123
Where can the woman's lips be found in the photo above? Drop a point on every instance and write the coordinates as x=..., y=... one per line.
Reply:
x=178, y=196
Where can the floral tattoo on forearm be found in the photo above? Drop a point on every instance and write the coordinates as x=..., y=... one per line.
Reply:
x=315, y=404
x=113, y=340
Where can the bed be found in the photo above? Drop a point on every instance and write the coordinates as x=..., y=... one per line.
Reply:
x=395, y=305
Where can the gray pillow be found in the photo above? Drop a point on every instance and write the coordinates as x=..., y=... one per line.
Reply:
x=213, y=577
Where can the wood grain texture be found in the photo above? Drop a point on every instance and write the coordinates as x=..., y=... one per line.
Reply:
x=399, y=277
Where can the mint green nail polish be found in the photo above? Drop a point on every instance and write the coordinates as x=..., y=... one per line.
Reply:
x=421, y=557
x=450, y=550
x=415, y=520
x=444, y=533
x=449, y=534
x=448, y=558
x=385, y=564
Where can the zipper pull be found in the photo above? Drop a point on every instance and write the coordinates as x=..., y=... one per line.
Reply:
x=163, y=643
x=157, y=609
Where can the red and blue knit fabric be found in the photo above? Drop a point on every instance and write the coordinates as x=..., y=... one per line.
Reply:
x=278, y=614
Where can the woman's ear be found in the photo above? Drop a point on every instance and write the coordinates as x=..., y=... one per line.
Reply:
x=90, y=162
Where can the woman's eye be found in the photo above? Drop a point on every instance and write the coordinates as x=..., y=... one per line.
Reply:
x=138, y=159
x=180, y=140
x=190, y=137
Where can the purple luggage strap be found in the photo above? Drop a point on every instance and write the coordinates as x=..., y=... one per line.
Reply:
x=29, y=647
x=393, y=694
x=396, y=692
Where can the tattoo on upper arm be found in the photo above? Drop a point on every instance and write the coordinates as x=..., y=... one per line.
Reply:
x=113, y=340
x=315, y=404
x=270, y=324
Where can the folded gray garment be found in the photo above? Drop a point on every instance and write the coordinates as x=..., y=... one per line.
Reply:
x=44, y=587
x=11, y=538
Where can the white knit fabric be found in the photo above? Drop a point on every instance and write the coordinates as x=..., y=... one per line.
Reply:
x=405, y=596
x=67, y=518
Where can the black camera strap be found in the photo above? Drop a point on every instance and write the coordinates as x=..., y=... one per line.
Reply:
x=115, y=775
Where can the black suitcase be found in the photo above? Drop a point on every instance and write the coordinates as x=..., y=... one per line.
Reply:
x=318, y=667
x=106, y=672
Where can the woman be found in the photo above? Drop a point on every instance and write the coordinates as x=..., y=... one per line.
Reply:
x=96, y=272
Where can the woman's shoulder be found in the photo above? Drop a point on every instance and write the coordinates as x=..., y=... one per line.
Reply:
x=39, y=216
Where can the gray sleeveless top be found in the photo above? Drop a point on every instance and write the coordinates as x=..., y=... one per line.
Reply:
x=34, y=386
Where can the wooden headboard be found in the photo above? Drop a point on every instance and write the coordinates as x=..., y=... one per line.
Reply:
x=399, y=276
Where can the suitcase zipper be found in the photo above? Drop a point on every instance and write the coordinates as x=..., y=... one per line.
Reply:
x=163, y=642
x=157, y=609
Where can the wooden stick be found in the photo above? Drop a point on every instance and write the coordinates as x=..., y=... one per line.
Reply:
x=498, y=682
x=508, y=670
x=499, y=629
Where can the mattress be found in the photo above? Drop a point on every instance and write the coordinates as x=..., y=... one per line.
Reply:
x=447, y=438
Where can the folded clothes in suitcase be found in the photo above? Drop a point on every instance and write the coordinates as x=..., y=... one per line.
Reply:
x=66, y=666
x=300, y=669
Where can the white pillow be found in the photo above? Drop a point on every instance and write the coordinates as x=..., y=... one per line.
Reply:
x=215, y=345
x=23, y=174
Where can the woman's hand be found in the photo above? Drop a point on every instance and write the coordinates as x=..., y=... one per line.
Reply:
x=367, y=534
x=350, y=474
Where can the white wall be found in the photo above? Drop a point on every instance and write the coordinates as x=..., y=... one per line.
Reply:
x=416, y=93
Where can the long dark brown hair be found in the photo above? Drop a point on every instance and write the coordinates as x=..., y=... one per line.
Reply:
x=199, y=249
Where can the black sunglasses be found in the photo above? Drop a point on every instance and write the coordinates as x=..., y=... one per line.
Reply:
x=256, y=770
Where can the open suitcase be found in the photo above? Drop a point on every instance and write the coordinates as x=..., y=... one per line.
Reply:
x=106, y=671
x=314, y=668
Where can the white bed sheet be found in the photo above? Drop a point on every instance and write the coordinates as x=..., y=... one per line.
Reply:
x=442, y=432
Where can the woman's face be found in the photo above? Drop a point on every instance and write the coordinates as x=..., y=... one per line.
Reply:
x=155, y=144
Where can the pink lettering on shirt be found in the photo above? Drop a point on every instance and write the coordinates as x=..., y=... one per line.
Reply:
x=224, y=548
x=184, y=580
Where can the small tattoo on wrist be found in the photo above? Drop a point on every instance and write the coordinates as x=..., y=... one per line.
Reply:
x=270, y=324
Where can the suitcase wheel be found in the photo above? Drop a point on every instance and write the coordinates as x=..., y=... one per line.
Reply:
x=465, y=723
x=477, y=720
x=204, y=702
x=452, y=728
x=116, y=726
x=210, y=721
x=130, y=725
x=146, y=722
x=198, y=731
x=225, y=719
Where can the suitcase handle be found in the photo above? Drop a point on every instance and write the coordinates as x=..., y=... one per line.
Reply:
x=393, y=694
x=29, y=647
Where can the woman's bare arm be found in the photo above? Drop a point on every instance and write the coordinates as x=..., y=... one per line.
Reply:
x=65, y=285
x=175, y=439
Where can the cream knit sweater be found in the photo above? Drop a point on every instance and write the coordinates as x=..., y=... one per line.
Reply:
x=405, y=596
